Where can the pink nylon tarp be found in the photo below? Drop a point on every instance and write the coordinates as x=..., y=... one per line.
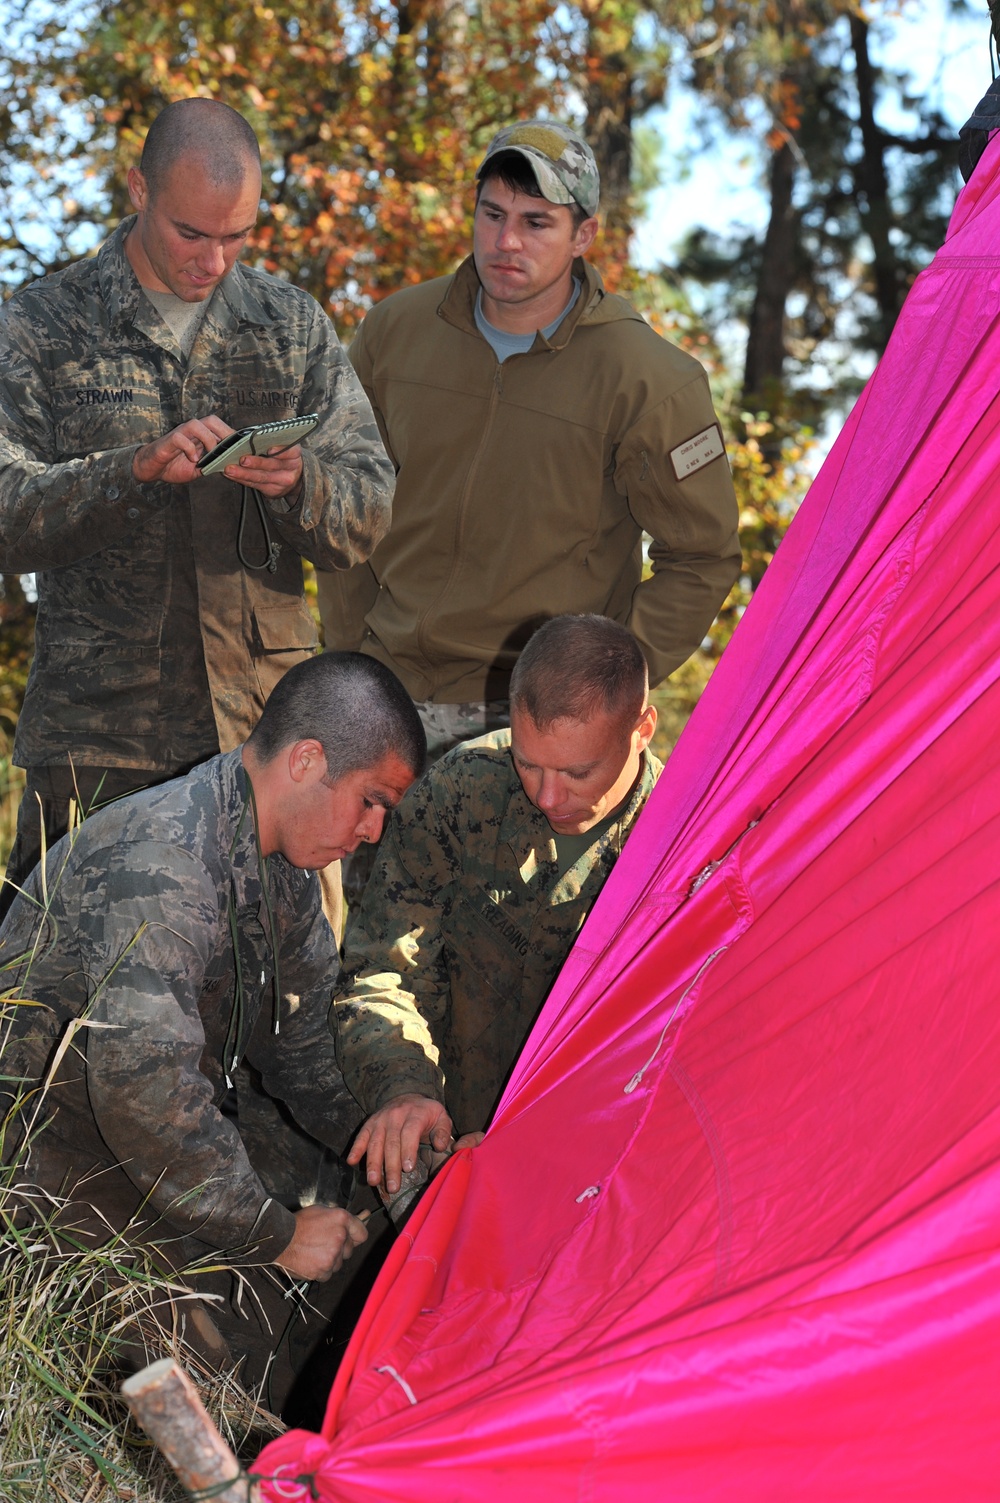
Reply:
x=735, y=1232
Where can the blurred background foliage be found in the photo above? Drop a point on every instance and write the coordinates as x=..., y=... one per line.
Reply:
x=372, y=118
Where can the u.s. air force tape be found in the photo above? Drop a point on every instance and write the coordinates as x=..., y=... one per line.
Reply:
x=695, y=453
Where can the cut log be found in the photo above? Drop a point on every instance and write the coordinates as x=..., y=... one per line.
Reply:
x=166, y=1404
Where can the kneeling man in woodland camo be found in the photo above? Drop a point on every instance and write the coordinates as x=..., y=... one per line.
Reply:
x=487, y=871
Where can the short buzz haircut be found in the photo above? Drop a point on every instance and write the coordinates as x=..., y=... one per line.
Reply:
x=576, y=667
x=213, y=132
x=511, y=169
x=353, y=705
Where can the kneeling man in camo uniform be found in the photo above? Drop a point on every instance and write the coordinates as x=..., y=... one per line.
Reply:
x=487, y=871
x=168, y=971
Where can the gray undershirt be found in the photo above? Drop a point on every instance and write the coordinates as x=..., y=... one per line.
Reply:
x=503, y=344
x=183, y=319
x=571, y=847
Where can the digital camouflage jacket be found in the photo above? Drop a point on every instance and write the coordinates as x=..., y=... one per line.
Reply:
x=138, y=942
x=464, y=925
x=147, y=621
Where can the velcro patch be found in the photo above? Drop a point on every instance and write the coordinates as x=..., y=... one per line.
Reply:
x=549, y=142
x=695, y=453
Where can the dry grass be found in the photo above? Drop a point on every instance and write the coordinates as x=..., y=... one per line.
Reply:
x=11, y=784
x=67, y=1311
x=74, y=1318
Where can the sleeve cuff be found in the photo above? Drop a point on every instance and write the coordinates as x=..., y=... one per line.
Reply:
x=271, y=1233
x=430, y=1085
x=283, y=506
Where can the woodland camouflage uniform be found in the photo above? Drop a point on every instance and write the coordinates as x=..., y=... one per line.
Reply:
x=144, y=902
x=155, y=647
x=463, y=927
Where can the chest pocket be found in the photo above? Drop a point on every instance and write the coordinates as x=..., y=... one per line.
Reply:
x=487, y=949
x=489, y=944
x=107, y=402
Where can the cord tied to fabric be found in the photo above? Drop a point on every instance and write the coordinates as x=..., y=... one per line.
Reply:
x=637, y=1077
x=304, y=1484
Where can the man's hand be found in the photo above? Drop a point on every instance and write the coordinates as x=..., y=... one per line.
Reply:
x=323, y=1240
x=392, y=1137
x=277, y=473
x=174, y=457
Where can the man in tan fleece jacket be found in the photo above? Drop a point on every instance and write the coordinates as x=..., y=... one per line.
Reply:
x=538, y=427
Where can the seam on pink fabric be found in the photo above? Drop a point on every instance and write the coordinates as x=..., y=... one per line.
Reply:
x=723, y=1184
x=904, y=573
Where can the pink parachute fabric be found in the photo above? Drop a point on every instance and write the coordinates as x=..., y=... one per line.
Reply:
x=735, y=1232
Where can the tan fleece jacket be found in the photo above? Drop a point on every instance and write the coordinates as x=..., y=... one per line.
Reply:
x=523, y=490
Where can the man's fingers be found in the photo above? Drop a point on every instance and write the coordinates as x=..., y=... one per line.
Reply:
x=272, y=476
x=174, y=456
x=410, y=1138
x=218, y=428
x=357, y=1232
x=391, y=1138
x=376, y=1154
x=359, y=1145
x=391, y=1161
x=417, y=1129
x=191, y=446
x=202, y=434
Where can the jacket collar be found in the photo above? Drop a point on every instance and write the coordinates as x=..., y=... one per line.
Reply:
x=529, y=834
x=120, y=290
x=238, y=828
x=458, y=306
x=238, y=833
x=233, y=302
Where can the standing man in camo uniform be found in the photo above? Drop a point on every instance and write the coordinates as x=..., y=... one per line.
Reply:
x=487, y=872
x=538, y=426
x=181, y=934
x=164, y=620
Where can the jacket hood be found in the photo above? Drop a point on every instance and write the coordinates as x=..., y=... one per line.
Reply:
x=595, y=305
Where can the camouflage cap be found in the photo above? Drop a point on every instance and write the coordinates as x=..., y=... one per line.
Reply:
x=562, y=162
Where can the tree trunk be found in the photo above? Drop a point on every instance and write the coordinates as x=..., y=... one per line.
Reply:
x=608, y=89
x=872, y=186
x=609, y=134
x=765, y=358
